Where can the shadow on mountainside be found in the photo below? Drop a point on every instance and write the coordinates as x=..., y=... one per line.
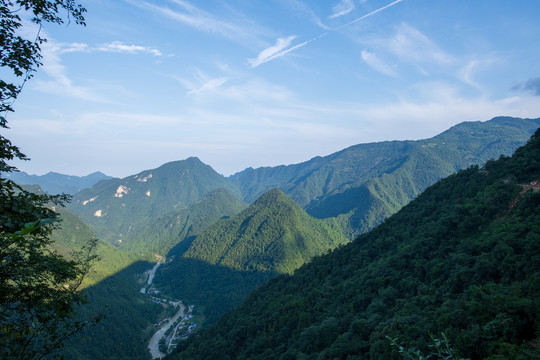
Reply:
x=129, y=316
x=215, y=289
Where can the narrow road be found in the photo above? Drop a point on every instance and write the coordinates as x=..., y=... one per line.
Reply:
x=152, y=272
x=153, y=346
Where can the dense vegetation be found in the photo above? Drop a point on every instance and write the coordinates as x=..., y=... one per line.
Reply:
x=166, y=208
x=160, y=235
x=463, y=258
x=272, y=235
x=128, y=320
x=232, y=257
x=118, y=207
x=72, y=235
x=38, y=287
x=366, y=183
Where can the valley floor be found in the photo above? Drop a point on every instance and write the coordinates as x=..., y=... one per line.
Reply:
x=170, y=329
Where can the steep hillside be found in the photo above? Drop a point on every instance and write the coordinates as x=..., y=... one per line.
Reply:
x=128, y=320
x=232, y=257
x=73, y=234
x=117, y=207
x=461, y=259
x=55, y=183
x=165, y=232
x=368, y=182
x=273, y=235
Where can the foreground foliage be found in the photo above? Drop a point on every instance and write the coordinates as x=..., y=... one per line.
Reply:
x=38, y=286
x=463, y=258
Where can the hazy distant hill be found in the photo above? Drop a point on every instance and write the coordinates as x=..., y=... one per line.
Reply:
x=116, y=207
x=233, y=256
x=366, y=183
x=55, y=183
x=462, y=258
x=163, y=233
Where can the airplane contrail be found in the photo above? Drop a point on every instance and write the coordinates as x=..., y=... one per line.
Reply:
x=368, y=15
x=286, y=51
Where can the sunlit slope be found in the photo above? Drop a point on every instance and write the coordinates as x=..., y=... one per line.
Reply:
x=161, y=234
x=234, y=256
x=117, y=207
x=74, y=235
x=463, y=258
x=274, y=234
x=368, y=182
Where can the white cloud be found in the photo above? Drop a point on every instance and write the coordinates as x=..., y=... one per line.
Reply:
x=342, y=8
x=411, y=45
x=60, y=83
x=119, y=47
x=74, y=47
x=278, y=50
x=375, y=62
x=304, y=9
x=269, y=53
x=238, y=29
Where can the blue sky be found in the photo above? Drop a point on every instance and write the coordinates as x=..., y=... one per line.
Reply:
x=255, y=83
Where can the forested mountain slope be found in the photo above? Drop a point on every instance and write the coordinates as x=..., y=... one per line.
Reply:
x=233, y=256
x=368, y=182
x=117, y=207
x=463, y=258
x=161, y=234
x=273, y=235
x=128, y=320
x=73, y=235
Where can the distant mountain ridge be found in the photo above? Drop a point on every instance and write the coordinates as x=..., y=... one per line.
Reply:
x=56, y=183
x=368, y=182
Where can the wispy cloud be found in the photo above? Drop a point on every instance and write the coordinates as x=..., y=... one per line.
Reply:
x=208, y=85
x=532, y=85
x=73, y=47
x=305, y=9
x=237, y=29
x=119, y=47
x=60, y=83
x=269, y=53
x=342, y=8
x=273, y=54
x=368, y=14
x=114, y=47
x=375, y=62
x=410, y=44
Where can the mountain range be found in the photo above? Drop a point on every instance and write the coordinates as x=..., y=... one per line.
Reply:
x=226, y=236
x=368, y=182
x=233, y=256
x=118, y=207
x=454, y=274
x=55, y=183
x=362, y=184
